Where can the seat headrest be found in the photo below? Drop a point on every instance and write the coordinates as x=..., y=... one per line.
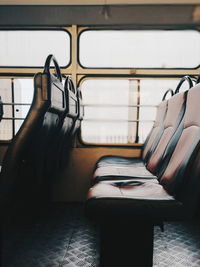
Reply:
x=71, y=98
x=55, y=89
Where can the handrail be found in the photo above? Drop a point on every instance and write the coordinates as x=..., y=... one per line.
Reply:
x=47, y=67
x=185, y=78
x=166, y=93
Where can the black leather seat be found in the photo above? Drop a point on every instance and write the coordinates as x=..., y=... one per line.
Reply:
x=68, y=132
x=23, y=175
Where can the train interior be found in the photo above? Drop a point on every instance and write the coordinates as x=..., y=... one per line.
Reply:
x=100, y=133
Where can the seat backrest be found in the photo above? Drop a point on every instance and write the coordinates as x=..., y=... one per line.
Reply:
x=76, y=108
x=80, y=111
x=186, y=146
x=174, y=115
x=1, y=109
x=63, y=139
x=23, y=168
x=66, y=133
x=157, y=129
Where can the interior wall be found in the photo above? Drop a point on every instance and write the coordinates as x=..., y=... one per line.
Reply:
x=92, y=15
x=74, y=181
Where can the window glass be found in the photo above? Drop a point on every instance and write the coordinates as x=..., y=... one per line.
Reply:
x=107, y=116
x=6, y=126
x=30, y=48
x=21, y=92
x=139, y=49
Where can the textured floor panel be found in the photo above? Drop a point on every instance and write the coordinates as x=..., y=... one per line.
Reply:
x=178, y=245
x=64, y=238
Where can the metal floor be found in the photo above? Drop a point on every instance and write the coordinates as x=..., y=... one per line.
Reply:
x=64, y=238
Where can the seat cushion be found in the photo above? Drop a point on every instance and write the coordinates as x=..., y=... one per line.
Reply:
x=138, y=200
x=122, y=172
x=118, y=160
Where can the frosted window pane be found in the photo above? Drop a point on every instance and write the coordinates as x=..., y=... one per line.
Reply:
x=6, y=129
x=23, y=94
x=108, y=115
x=140, y=49
x=31, y=48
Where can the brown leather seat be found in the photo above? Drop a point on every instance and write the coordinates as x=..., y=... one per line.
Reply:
x=173, y=117
x=140, y=204
x=1, y=109
x=108, y=167
x=177, y=174
x=23, y=175
x=153, y=136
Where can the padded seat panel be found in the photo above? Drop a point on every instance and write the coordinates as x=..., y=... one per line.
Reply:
x=117, y=160
x=122, y=172
x=175, y=112
x=147, y=200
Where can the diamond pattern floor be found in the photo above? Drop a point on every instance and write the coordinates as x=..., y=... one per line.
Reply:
x=64, y=238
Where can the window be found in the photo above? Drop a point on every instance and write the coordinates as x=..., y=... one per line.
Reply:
x=107, y=117
x=17, y=96
x=30, y=48
x=121, y=111
x=139, y=49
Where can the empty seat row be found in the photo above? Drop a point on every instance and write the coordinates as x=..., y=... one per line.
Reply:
x=127, y=202
x=34, y=155
x=169, y=115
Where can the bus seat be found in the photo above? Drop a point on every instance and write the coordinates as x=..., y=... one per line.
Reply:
x=151, y=140
x=68, y=130
x=80, y=112
x=23, y=173
x=128, y=210
x=152, y=137
x=173, y=117
x=1, y=109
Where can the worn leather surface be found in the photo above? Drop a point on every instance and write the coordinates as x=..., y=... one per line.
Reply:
x=175, y=112
x=23, y=177
x=186, y=146
x=144, y=200
x=156, y=132
x=1, y=109
x=117, y=160
x=178, y=193
x=122, y=172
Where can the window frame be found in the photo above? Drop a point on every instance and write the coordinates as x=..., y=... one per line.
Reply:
x=78, y=73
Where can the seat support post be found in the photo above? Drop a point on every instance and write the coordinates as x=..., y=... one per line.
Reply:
x=126, y=244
